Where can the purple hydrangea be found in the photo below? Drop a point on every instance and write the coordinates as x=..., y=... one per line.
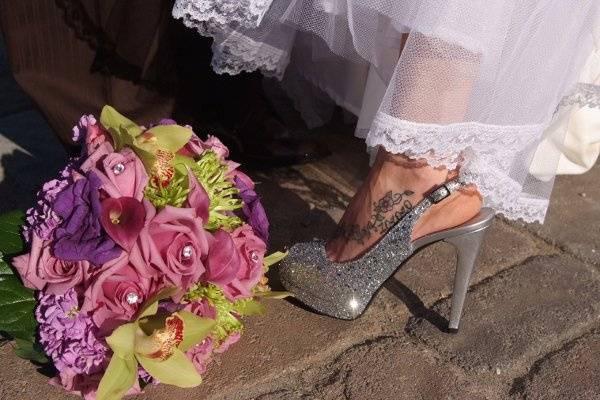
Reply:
x=41, y=219
x=80, y=235
x=80, y=130
x=69, y=336
x=253, y=210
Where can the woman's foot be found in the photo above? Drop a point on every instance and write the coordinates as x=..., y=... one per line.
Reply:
x=394, y=185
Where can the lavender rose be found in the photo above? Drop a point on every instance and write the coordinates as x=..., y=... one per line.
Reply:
x=252, y=251
x=223, y=262
x=116, y=292
x=80, y=236
x=173, y=243
x=123, y=175
x=40, y=270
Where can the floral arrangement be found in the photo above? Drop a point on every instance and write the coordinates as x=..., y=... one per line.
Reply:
x=145, y=252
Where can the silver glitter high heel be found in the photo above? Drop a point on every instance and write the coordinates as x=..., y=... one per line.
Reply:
x=344, y=290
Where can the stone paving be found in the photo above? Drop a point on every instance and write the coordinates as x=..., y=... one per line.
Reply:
x=531, y=328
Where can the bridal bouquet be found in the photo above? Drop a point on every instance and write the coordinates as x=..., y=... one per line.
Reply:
x=144, y=254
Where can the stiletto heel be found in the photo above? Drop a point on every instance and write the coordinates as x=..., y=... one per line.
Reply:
x=344, y=290
x=467, y=249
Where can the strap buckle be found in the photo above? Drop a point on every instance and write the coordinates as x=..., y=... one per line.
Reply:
x=439, y=194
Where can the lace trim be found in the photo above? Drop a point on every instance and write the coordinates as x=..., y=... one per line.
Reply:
x=584, y=95
x=239, y=53
x=211, y=16
x=485, y=153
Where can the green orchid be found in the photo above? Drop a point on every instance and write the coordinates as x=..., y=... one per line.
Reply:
x=157, y=341
x=157, y=147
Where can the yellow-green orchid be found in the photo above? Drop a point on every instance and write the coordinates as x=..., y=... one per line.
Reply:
x=158, y=342
x=157, y=147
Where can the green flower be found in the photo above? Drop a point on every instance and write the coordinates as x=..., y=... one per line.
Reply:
x=173, y=194
x=223, y=195
x=157, y=147
x=157, y=342
x=227, y=321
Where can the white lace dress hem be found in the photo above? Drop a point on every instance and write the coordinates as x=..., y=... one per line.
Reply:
x=486, y=154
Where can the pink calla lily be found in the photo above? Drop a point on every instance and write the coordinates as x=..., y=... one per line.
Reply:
x=123, y=219
x=198, y=198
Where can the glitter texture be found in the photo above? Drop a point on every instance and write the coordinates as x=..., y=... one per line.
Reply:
x=344, y=290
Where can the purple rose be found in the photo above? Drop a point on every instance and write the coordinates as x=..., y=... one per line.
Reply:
x=80, y=236
x=253, y=210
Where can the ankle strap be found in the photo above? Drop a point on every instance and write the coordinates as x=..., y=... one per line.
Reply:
x=444, y=191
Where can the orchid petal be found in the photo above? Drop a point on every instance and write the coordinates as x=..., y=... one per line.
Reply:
x=195, y=329
x=121, y=341
x=118, y=378
x=123, y=130
x=170, y=137
x=176, y=370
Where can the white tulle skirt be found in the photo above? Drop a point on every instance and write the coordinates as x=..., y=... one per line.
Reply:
x=468, y=83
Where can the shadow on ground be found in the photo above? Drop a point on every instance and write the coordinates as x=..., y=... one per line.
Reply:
x=30, y=154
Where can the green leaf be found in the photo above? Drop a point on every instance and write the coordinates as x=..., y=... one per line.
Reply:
x=11, y=241
x=176, y=370
x=273, y=294
x=29, y=351
x=17, y=305
x=195, y=329
x=122, y=340
x=248, y=307
x=118, y=378
x=274, y=258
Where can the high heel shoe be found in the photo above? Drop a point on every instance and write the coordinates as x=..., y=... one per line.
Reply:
x=344, y=290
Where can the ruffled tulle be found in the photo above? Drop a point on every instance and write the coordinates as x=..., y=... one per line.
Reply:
x=460, y=83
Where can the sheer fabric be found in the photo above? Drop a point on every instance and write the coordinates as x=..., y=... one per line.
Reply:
x=460, y=83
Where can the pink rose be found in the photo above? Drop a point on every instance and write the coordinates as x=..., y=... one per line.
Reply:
x=200, y=355
x=95, y=137
x=122, y=174
x=92, y=133
x=116, y=292
x=213, y=143
x=174, y=243
x=228, y=342
x=223, y=262
x=85, y=386
x=202, y=309
x=40, y=270
x=195, y=147
x=252, y=251
x=93, y=160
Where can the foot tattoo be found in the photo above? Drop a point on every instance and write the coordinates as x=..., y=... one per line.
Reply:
x=387, y=211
